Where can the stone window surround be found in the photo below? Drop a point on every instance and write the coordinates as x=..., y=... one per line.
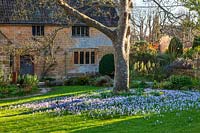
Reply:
x=35, y=30
x=86, y=31
x=85, y=51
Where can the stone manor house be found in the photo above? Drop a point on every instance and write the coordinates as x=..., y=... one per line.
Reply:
x=80, y=47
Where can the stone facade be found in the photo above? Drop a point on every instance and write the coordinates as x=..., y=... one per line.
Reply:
x=4, y=59
x=96, y=42
x=164, y=43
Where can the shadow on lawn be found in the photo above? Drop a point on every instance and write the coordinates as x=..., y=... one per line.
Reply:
x=93, y=126
x=55, y=92
x=171, y=122
x=134, y=124
x=184, y=122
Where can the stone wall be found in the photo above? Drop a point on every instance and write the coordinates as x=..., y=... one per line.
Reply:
x=164, y=43
x=97, y=42
x=4, y=58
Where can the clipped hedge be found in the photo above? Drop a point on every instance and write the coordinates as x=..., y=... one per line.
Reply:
x=106, y=65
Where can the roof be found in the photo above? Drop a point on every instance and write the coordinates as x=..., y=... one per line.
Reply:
x=13, y=12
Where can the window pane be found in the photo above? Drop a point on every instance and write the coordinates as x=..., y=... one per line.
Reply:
x=42, y=30
x=87, y=58
x=87, y=31
x=82, y=31
x=92, y=57
x=33, y=30
x=81, y=57
x=38, y=30
x=75, y=57
x=73, y=31
x=78, y=29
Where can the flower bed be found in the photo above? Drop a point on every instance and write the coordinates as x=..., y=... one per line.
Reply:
x=96, y=106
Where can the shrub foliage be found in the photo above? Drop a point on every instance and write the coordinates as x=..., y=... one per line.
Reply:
x=175, y=47
x=196, y=42
x=106, y=65
x=179, y=81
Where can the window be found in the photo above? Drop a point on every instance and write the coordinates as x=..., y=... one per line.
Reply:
x=82, y=57
x=11, y=61
x=80, y=31
x=92, y=57
x=75, y=57
x=38, y=30
x=87, y=58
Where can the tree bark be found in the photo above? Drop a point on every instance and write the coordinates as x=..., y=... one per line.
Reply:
x=122, y=48
x=121, y=82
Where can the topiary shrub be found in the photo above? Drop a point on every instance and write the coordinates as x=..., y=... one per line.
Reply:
x=196, y=42
x=175, y=47
x=106, y=65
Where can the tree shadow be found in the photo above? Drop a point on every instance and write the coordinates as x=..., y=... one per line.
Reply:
x=55, y=92
x=121, y=125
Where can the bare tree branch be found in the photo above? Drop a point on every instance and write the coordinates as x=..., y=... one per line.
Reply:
x=9, y=41
x=167, y=11
x=88, y=20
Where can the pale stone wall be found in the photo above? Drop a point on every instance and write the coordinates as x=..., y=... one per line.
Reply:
x=4, y=58
x=164, y=43
x=97, y=42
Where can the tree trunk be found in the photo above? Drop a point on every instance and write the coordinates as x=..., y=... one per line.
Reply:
x=121, y=82
x=122, y=48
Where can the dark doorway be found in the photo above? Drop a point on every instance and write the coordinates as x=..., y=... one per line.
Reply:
x=26, y=65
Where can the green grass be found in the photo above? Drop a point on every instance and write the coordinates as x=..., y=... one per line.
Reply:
x=175, y=122
x=55, y=92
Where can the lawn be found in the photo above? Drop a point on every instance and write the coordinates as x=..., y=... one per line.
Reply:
x=55, y=92
x=21, y=120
